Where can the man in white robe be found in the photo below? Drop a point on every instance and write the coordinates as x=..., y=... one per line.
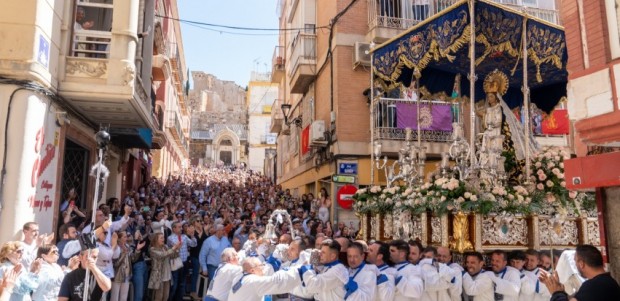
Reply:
x=362, y=277
x=507, y=279
x=329, y=284
x=252, y=285
x=444, y=255
x=299, y=292
x=477, y=283
x=223, y=277
x=378, y=255
x=408, y=282
x=537, y=290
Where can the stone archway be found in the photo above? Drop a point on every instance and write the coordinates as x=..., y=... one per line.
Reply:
x=226, y=147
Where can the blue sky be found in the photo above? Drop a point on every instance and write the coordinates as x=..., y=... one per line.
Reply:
x=229, y=56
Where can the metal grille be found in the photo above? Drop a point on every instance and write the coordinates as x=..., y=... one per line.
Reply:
x=75, y=171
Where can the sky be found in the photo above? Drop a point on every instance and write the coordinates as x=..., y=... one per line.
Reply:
x=217, y=51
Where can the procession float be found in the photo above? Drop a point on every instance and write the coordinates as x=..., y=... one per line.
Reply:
x=493, y=186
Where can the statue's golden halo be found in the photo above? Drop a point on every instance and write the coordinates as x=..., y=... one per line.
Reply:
x=496, y=82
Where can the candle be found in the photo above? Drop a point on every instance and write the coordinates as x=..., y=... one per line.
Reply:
x=377, y=149
x=445, y=159
x=422, y=153
x=408, y=134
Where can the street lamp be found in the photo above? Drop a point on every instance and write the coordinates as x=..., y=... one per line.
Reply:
x=285, y=110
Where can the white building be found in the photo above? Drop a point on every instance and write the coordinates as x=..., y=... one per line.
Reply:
x=262, y=94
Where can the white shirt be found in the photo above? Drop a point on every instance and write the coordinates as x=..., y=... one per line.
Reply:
x=29, y=255
x=222, y=280
x=508, y=283
x=478, y=287
x=250, y=287
x=50, y=279
x=437, y=279
x=410, y=286
x=328, y=285
x=366, y=279
x=104, y=259
x=385, y=290
x=531, y=288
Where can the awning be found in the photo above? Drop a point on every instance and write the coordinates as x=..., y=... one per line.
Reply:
x=132, y=137
x=439, y=49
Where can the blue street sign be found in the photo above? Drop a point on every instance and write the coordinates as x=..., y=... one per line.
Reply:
x=347, y=168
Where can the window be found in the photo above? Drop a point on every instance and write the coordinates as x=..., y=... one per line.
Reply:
x=91, y=28
x=531, y=3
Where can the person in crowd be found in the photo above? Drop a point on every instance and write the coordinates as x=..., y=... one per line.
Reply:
x=478, y=284
x=223, y=276
x=139, y=277
x=161, y=273
x=507, y=279
x=11, y=257
x=73, y=286
x=194, y=253
x=68, y=232
x=325, y=204
x=187, y=240
x=123, y=267
x=32, y=241
x=51, y=274
x=599, y=284
x=545, y=260
x=211, y=249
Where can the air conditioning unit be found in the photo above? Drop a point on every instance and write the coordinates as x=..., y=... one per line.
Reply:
x=362, y=54
x=317, y=130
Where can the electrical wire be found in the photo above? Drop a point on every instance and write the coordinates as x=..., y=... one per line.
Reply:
x=229, y=32
x=235, y=27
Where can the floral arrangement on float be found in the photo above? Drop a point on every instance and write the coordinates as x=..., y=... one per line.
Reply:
x=549, y=188
x=443, y=194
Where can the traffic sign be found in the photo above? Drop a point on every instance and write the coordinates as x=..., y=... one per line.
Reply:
x=345, y=196
x=343, y=179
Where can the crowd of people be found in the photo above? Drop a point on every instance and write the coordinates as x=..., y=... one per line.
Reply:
x=234, y=235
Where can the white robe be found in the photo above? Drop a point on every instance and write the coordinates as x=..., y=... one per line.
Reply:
x=410, y=286
x=366, y=279
x=531, y=288
x=508, y=283
x=254, y=287
x=436, y=277
x=480, y=287
x=385, y=290
x=298, y=290
x=223, y=281
x=456, y=286
x=328, y=285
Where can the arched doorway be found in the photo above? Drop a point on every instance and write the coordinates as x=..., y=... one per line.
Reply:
x=226, y=152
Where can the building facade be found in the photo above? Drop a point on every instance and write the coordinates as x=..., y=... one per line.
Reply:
x=262, y=94
x=218, y=120
x=67, y=69
x=322, y=66
x=171, y=94
x=593, y=43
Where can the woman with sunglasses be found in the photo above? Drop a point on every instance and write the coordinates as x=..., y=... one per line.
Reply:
x=51, y=274
x=10, y=259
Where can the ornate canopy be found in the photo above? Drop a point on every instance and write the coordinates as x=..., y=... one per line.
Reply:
x=439, y=49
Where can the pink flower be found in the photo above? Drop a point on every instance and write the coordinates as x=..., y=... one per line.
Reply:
x=572, y=194
x=550, y=198
x=549, y=183
x=563, y=184
x=540, y=186
x=542, y=177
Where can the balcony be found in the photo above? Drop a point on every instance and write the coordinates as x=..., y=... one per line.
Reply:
x=387, y=18
x=161, y=68
x=277, y=64
x=391, y=132
x=174, y=124
x=277, y=118
x=98, y=74
x=302, y=66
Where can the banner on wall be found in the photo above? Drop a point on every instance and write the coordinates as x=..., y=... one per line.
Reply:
x=305, y=140
x=44, y=173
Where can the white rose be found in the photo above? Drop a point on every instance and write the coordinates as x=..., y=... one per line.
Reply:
x=563, y=184
x=549, y=183
x=467, y=195
x=474, y=197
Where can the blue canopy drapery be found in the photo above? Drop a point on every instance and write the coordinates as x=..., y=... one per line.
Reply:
x=439, y=49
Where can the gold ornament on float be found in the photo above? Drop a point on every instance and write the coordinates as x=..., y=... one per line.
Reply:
x=496, y=82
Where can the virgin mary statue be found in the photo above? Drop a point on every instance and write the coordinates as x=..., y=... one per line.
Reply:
x=502, y=128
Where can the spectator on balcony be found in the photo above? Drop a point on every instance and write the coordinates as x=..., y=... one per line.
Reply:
x=79, y=49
